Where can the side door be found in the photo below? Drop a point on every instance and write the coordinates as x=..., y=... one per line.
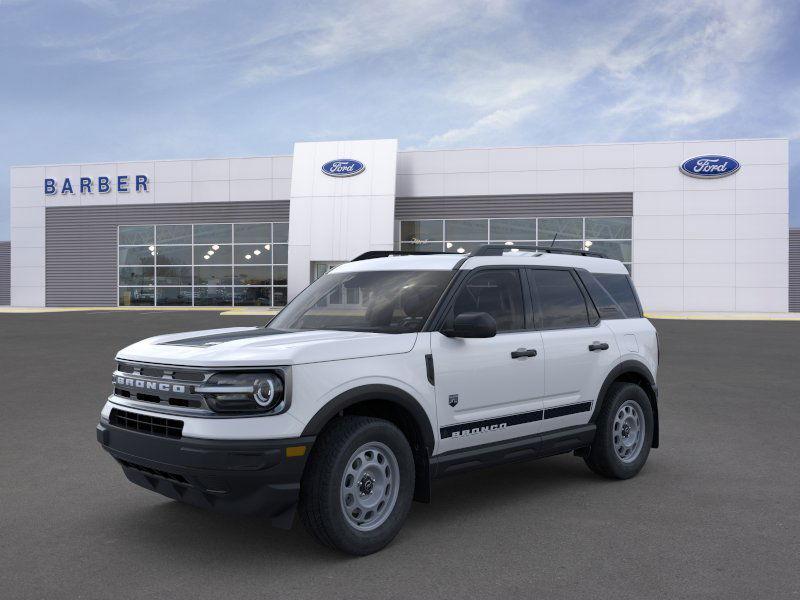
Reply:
x=489, y=389
x=579, y=349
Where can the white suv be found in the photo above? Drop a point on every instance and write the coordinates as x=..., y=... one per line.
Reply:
x=388, y=372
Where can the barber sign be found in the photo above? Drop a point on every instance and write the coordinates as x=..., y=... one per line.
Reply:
x=710, y=166
x=343, y=167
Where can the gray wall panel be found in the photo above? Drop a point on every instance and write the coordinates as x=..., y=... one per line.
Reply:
x=82, y=241
x=5, y=273
x=546, y=205
x=794, y=270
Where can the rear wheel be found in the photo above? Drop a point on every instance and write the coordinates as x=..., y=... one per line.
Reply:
x=624, y=433
x=358, y=486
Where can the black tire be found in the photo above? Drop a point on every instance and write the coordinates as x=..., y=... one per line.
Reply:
x=320, y=506
x=602, y=457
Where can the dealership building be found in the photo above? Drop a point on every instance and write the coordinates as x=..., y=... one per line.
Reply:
x=701, y=225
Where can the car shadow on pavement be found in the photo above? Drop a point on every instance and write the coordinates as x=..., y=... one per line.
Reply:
x=193, y=533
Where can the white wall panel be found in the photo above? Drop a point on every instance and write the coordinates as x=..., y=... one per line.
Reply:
x=762, y=226
x=173, y=170
x=420, y=162
x=466, y=161
x=211, y=170
x=560, y=158
x=608, y=156
x=660, y=298
x=512, y=159
x=706, y=299
x=251, y=168
x=709, y=275
x=659, y=154
x=210, y=191
x=762, y=201
x=762, y=177
x=22, y=177
x=762, y=152
x=762, y=299
x=709, y=202
x=708, y=227
x=709, y=251
x=172, y=192
x=658, y=203
x=561, y=182
x=665, y=227
x=762, y=275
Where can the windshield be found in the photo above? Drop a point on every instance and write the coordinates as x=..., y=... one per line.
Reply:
x=375, y=301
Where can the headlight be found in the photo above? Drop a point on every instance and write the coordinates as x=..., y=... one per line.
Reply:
x=244, y=392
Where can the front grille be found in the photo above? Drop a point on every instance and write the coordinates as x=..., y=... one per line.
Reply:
x=156, y=384
x=170, y=428
x=157, y=472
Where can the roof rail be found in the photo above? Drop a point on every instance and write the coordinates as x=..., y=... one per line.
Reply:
x=386, y=253
x=500, y=249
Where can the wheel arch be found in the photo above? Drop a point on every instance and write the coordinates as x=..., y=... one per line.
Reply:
x=632, y=371
x=398, y=407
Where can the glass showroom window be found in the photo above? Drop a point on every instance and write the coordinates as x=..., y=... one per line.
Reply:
x=608, y=235
x=215, y=264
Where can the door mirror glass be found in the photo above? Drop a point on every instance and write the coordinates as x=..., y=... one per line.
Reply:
x=473, y=325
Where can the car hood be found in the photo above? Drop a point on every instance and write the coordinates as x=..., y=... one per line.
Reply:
x=257, y=346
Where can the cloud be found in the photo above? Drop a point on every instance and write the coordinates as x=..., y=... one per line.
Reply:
x=499, y=119
x=673, y=64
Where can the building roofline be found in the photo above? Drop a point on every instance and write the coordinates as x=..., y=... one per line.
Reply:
x=631, y=143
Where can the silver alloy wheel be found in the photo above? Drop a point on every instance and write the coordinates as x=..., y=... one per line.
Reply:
x=369, y=487
x=629, y=430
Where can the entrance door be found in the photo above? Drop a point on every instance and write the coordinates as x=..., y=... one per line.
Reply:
x=489, y=389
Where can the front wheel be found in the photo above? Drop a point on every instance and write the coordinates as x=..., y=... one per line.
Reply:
x=358, y=486
x=624, y=433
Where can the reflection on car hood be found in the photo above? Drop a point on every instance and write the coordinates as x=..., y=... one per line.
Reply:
x=257, y=346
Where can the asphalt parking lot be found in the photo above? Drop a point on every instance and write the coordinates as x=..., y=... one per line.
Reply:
x=714, y=514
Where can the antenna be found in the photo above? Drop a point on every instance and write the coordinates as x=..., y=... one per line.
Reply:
x=554, y=240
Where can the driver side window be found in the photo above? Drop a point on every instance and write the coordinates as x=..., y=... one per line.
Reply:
x=496, y=292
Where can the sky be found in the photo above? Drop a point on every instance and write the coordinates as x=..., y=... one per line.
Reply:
x=97, y=80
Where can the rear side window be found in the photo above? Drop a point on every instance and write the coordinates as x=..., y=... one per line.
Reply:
x=606, y=305
x=559, y=299
x=620, y=289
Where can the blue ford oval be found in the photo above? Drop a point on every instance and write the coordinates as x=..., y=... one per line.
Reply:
x=710, y=166
x=343, y=167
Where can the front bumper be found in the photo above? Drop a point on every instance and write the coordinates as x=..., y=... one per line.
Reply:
x=251, y=477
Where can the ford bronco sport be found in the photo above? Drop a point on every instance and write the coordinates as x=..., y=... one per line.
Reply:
x=384, y=374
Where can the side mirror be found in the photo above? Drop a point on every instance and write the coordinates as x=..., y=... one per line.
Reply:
x=473, y=325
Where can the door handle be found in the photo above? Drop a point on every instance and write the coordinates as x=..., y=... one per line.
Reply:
x=523, y=352
x=598, y=346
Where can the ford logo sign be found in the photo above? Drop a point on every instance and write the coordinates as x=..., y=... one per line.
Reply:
x=343, y=167
x=710, y=166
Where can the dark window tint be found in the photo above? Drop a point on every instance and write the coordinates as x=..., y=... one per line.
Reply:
x=498, y=293
x=560, y=301
x=620, y=289
x=606, y=305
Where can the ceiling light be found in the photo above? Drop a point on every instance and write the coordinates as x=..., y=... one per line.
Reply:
x=509, y=243
x=151, y=248
x=215, y=247
x=206, y=257
x=256, y=252
x=460, y=250
x=266, y=246
x=449, y=245
x=247, y=256
x=211, y=253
